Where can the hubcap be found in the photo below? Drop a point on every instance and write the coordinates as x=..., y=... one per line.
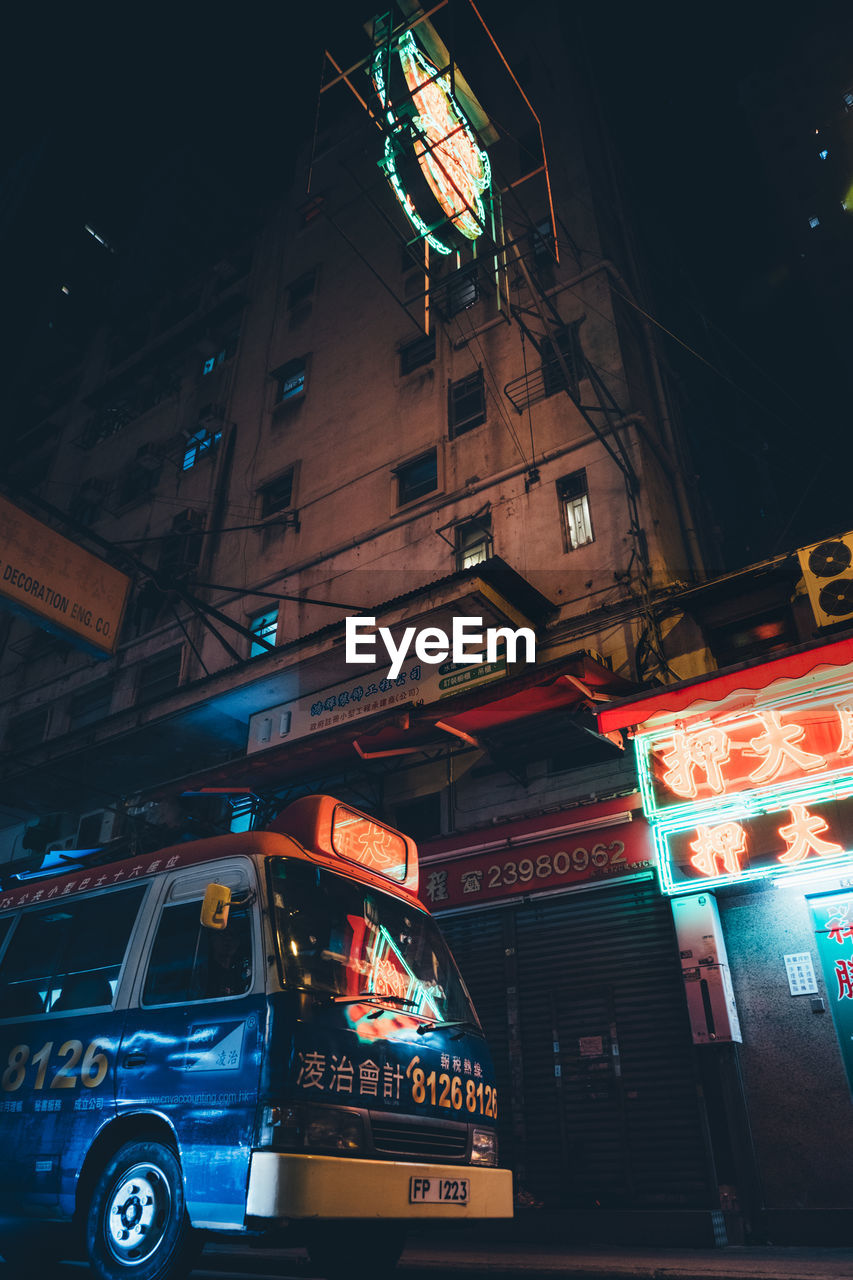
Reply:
x=138, y=1214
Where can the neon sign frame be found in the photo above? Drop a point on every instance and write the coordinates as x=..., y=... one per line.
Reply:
x=454, y=165
x=743, y=784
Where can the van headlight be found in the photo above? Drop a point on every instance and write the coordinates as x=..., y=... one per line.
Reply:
x=484, y=1147
x=327, y=1129
x=301, y=1128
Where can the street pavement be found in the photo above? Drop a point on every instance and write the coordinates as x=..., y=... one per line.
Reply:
x=475, y=1257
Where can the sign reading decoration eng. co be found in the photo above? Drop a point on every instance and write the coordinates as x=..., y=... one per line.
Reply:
x=62, y=586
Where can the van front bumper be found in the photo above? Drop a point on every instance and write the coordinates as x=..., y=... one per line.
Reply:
x=285, y=1186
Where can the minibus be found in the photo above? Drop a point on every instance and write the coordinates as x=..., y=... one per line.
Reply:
x=260, y=1034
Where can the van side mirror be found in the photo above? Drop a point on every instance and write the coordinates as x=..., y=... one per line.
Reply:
x=216, y=906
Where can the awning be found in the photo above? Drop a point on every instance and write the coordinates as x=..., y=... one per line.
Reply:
x=569, y=683
x=751, y=677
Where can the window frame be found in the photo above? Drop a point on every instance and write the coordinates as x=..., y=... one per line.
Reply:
x=138, y=928
x=405, y=499
x=256, y=616
x=482, y=525
x=297, y=369
x=566, y=498
x=458, y=390
x=268, y=488
x=417, y=354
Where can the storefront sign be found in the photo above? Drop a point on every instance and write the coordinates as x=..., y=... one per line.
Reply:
x=533, y=865
x=833, y=921
x=57, y=583
x=752, y=792
x=361, y=696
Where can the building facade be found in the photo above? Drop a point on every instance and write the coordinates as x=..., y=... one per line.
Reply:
x=360, y=409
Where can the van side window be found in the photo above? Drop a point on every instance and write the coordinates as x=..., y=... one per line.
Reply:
x=192, y=963
x=68, y=955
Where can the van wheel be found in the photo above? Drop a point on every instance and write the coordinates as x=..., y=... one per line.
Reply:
x=354, y=1250
x=137, y=1225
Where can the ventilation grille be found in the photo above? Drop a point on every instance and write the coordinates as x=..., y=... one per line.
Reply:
x=398, y=1137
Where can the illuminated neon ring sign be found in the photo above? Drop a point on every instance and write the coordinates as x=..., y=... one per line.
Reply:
x=455, y=167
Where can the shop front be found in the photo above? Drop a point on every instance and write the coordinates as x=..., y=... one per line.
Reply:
x=747, y=785
x=569, y=950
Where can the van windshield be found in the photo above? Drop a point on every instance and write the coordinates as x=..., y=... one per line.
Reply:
x=344, y=939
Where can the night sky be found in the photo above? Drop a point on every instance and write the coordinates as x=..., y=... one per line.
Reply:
x=100, y=99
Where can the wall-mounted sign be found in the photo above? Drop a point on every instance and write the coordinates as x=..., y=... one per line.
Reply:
x=360, y=696
x=801, y=974
x=565, y=861
x=754, y=791
x=57, y=583
x=456, y=169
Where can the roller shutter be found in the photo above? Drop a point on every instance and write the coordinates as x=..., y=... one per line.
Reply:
x=581, y=998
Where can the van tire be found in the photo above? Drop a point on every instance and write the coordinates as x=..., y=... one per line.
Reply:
x=137, y=1225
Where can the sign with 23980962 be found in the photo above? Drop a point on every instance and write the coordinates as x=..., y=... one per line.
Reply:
x=531, y=863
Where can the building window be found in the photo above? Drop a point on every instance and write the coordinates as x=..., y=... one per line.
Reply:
x=264, y=625
x=417, y=478
x=567, y=341
x=159, y=676
x=219, y=355
x=458, y=292
x=142, y=476
x=202, y=442
x=90, y=705
x=466, y=404
x=473, y=542
x=181, y=549
x=420, y=817
x=574, y=503
x=415, y=354
x=542, y=243
x=277, y=495
x=289, y=381
x=301, y=290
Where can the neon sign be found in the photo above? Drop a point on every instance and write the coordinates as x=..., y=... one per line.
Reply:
x=362, y=840
x=755, y=792
x=456, y=169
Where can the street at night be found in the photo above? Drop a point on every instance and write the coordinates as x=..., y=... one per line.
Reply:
x=426, y=643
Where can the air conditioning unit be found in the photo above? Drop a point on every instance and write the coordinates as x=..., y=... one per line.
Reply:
x=94, y=829
x=828, y=574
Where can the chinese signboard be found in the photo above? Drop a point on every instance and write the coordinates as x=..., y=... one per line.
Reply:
x=360, y=839
x=361, y=696
x=544, y=863
x=752, y=792
x=833, y=922
x=58, y=583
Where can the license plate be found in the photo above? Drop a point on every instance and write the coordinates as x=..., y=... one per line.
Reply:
x=438, y=1190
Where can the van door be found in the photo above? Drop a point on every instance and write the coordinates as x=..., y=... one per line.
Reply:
x=59, y=1037
x=192, y=1045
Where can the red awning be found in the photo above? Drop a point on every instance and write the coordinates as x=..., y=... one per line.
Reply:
x=408, y=729
x=749, y=678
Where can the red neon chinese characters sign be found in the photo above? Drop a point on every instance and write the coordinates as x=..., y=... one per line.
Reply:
x=360, y=839
x=761, y=748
